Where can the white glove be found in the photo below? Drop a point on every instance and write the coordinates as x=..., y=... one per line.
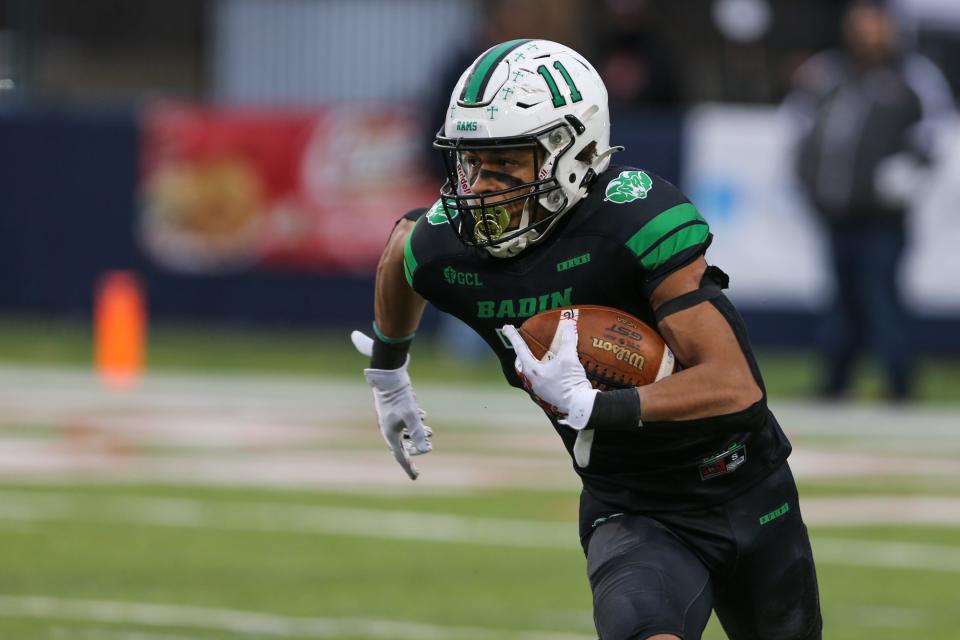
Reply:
x=899, y=178
x=399, y=417
x=558, y=381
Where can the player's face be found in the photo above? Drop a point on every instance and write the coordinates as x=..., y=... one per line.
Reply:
x=497, y=170
x=870, y=33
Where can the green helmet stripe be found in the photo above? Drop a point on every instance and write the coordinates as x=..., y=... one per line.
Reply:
x=479, y=76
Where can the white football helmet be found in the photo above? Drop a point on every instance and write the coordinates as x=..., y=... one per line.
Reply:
x=524, y=94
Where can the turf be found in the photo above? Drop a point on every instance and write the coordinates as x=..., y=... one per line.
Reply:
x=171, y=347
x=73, y=554
x=311, y=575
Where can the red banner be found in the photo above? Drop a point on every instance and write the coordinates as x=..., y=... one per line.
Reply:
x=318, y=191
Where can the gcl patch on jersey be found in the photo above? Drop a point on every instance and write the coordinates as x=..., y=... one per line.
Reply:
x=628, y=186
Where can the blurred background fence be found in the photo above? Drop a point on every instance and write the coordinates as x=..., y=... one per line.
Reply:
x=248, y=157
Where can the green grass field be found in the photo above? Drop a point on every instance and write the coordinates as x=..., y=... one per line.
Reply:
x=233, y=349
x=318, y=581
x=243, y=492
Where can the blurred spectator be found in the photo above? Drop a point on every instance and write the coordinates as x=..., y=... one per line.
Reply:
x=631, y=58
x=868, y=114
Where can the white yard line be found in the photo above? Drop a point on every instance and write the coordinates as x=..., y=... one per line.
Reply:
x=274, y=431
x=122, y=459
x=160, y=616
x=73, y=632
x=850, y=511
x=251, y=623
x=881, y=617
x=887, y=555
x=365, y=471
x=271, y=517
x=34, y=391
x=410, y=525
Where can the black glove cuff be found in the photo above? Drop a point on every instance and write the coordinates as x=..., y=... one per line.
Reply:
x=389, y=353
x=616, y=410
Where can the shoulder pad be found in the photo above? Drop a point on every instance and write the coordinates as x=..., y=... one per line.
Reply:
x=649, y=215
x=413, y=215
x=429, y=239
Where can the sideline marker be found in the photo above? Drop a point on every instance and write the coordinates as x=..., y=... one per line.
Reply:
x=119, y=324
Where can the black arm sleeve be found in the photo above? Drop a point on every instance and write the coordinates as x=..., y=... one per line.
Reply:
x=754, y=417
x=712, y=284
x=751, y=419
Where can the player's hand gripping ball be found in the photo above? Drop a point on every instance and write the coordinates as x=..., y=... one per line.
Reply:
x=617, y=350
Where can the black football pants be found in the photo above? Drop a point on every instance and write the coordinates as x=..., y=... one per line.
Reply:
x=748, y=559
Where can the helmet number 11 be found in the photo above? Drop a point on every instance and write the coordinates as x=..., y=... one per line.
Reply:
x=558, y=100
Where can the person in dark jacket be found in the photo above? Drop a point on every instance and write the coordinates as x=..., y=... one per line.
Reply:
x=868, y=117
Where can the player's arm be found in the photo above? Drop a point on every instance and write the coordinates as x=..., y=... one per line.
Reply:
x=397, y=308
x=717, y=379
x=397, y=312
x=716, y=383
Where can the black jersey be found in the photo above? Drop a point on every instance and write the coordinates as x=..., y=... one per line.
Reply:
x=613, y=248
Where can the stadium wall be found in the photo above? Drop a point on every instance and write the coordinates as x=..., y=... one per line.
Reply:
x=71, y=206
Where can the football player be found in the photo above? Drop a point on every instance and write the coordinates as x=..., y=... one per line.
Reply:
x=688, y=503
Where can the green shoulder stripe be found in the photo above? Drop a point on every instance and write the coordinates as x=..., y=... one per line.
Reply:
x=672, y=231
x=683, y=239
x=409, y=261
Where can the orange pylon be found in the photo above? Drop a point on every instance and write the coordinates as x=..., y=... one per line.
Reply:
x=119, y=329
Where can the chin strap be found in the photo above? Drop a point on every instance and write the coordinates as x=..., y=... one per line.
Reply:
x=514, y=246
x=510, y=248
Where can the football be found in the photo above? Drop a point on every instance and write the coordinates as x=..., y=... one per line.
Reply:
x=617, y=349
